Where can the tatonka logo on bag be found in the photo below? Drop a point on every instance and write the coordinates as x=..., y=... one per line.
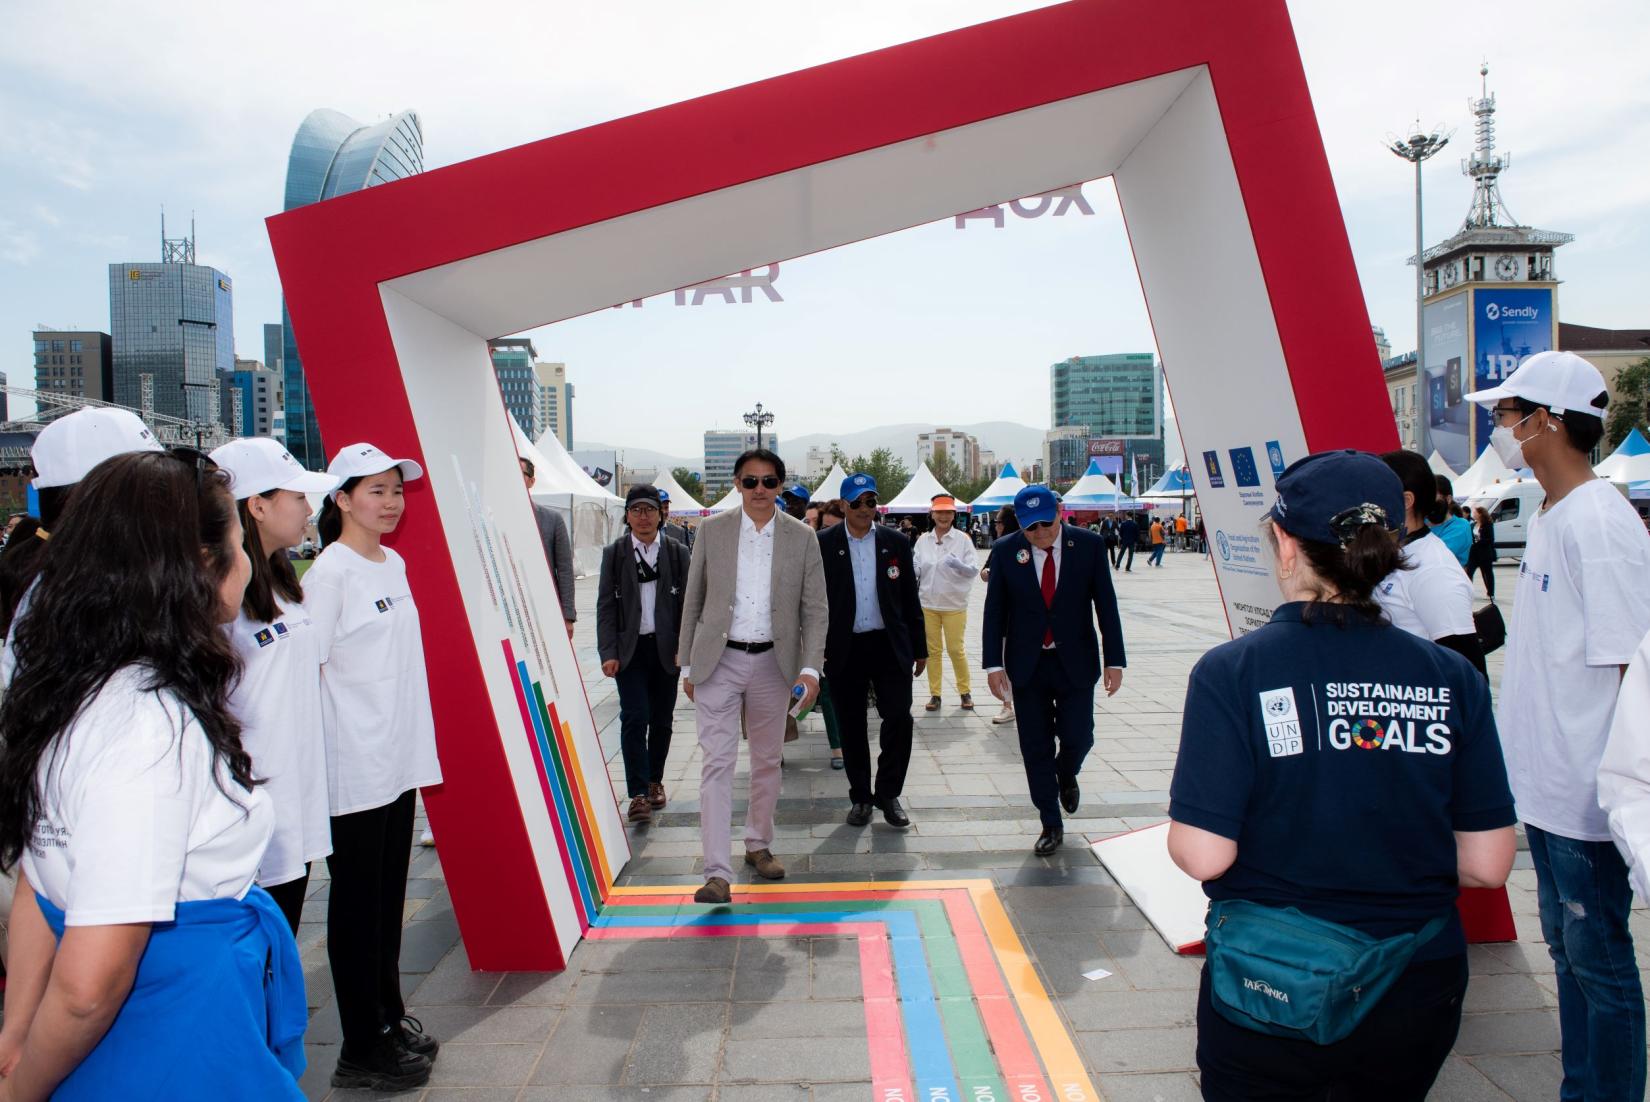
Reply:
x=1266, y=989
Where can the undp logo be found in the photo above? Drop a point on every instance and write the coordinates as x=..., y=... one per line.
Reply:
x=1224, y=544
x=1493, y=311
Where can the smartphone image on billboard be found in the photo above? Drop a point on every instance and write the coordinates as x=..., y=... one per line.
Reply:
x=1452, y=380
x=1437, y=393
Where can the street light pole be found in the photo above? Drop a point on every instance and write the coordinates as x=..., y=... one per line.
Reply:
x=759, y=419
x=1415, y=149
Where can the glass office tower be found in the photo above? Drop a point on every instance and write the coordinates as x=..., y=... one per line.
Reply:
x=334, y=155
x=175, y=324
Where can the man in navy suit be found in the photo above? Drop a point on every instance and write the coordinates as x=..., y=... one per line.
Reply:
x=1039, y=638
x=875, y=638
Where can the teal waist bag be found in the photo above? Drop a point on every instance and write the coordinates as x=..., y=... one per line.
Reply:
x=1284, y=973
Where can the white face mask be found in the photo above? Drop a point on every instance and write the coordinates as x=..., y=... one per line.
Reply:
x=1507, y=446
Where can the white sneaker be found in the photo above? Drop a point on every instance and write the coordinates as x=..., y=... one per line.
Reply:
x=427, y=838
x=1006, y=715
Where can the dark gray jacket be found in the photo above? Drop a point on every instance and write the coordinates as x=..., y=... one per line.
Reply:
x=619, y=601
x=558, y=548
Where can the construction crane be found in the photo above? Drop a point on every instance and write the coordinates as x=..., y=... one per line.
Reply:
x=168, y=430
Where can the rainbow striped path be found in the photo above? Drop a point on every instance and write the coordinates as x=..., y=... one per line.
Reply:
x=954, y=1011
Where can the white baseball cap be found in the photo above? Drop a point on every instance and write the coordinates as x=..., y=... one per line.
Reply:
x=1561, y=381
x=67, y=449
x=360, y=460
x=258, y=464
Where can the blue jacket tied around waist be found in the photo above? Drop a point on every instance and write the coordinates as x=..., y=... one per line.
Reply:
x=217, y=1010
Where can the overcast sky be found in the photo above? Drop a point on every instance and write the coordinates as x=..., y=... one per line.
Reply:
x=107, y=112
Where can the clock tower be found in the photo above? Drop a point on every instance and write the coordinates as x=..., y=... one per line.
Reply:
x=1490, y=299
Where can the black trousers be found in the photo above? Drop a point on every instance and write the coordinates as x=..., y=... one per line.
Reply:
x=1482, y=557
x=370, y=853
x=290, y=898
x=1393, y=1055
x=870, y=663
x=1055, y=718
x=647, y=703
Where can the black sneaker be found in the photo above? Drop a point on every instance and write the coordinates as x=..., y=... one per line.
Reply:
x=409, y=1032
x=388, y=1067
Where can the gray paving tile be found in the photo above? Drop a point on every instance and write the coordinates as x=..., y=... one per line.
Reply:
x=1525, y=1078
x=485, y=1065
x=1459, y=1081
x=493, y=1025
x=1148, y=964
x=533, y=988
x=1111, y=1004
x=1150, y=1087
x=590, y=1093
x=591, y=1044
x=795, y=1020
x=680, y=1043
x=767, y=1061
x=793, y=1092
x=1133, y=1050
x=1517, y=1031
x=836, y=1092
x=653, y=986
x=1506, y=992
x=452, y=983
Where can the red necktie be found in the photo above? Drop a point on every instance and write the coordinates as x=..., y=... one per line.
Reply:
x=1048, y=593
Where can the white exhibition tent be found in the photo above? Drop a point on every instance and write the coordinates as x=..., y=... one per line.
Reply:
x=918, y=494
x=594, y=516
x=1485, y=472
x=1436, y=462
x=1095, y=491
x=682, y=503
x=1000, y=492
x=831, y=488
x=730, y=500
x=1628, y=463
x=1175, y=486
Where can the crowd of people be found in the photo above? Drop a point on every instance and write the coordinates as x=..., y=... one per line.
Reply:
x=188, y=726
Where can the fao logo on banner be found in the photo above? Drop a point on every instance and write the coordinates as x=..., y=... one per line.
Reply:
x=1224, y=544
x=1493, y=311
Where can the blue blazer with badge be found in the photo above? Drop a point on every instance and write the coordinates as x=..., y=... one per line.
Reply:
x=896, y=596
x=1016, y=618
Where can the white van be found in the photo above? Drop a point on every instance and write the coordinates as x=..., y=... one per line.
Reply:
x=1510, y=505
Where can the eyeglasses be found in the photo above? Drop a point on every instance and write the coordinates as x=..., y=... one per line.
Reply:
x=1497, y=412
x=642, y=507
x=1035, y=525
x=864, y=501
x=768, y=482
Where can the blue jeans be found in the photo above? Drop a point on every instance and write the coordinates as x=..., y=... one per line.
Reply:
x=1157, y=554
x=1584, y=897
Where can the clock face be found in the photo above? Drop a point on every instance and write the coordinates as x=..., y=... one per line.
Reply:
x=1451, y=274
x=1506, y=267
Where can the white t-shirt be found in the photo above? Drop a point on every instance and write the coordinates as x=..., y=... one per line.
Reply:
x=1433, y=599
x=278, y=702
x=375, y=696
x=1624, y=774
x=133, y=821
x=1582, y=605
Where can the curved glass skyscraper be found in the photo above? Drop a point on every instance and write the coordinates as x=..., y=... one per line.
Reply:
x=334, y=155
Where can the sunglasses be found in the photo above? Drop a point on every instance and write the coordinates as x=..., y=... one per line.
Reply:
x=1039, y=524
x=768, y=482
x=864, y=501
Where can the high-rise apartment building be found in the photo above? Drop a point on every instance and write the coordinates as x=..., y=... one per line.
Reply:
x=555, y=402
x=819, y=460
x=962, y=449
x=76, y=363
x=333, y=155
x=513, y=365
x=172, y=329
x=1114, y=397
x=262, y=409
x=721, y=449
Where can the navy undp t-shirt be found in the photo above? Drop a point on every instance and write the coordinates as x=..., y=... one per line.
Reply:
x=1341, y=756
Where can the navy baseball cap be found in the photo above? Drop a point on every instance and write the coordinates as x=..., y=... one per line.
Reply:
x=856, y=486
x=642, y=492
x=798, y=491
x=1035, y=504
x=1328, y=496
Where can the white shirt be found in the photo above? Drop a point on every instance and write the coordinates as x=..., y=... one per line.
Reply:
x=278, y=701
x=753, y=582
x=1433, y=599
x=1582, y=606
x=133, y=820
x=375, y=696
x=1624, y=773
x=1038, y=557
x=862, y=561
x=649, y=553
x=945, y=570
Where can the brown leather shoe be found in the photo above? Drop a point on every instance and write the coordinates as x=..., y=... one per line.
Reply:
x=656, y=796
x=767, y=866
x=933, y=704
x=640, y=810
x=715, y=891
x=968, y=701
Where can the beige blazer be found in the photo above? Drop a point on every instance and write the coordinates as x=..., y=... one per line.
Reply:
x=798, y=581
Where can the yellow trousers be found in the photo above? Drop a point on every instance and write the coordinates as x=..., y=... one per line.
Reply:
x=949, y=628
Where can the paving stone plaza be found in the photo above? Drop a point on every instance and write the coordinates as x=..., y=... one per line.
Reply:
x=784, y=1015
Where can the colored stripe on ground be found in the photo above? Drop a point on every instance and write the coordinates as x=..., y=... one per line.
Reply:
x=925, y=1037
x=558, y=827
x=884, y=1033
x=1054, y=1045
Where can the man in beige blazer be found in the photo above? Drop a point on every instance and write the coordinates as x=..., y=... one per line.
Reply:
x=752, y=636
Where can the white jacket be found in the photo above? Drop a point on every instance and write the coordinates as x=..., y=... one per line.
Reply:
x=945, y=570
x=1624, y=772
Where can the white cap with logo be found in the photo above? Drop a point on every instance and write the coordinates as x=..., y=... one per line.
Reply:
x=67, y=449
x=258, y=464
x=361, y=460
x=1561, y=381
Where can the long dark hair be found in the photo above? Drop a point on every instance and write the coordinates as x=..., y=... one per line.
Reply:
x=272, y=572
x=1006, y=518
x=1418, y=479
x=1353, y=569
x=330, y=524
x=123, y=585
x=25, y=556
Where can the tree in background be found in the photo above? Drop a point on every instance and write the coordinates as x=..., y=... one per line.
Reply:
x=1627, y=412
x=950, y=475
x=887, y=468
x=691, y=482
